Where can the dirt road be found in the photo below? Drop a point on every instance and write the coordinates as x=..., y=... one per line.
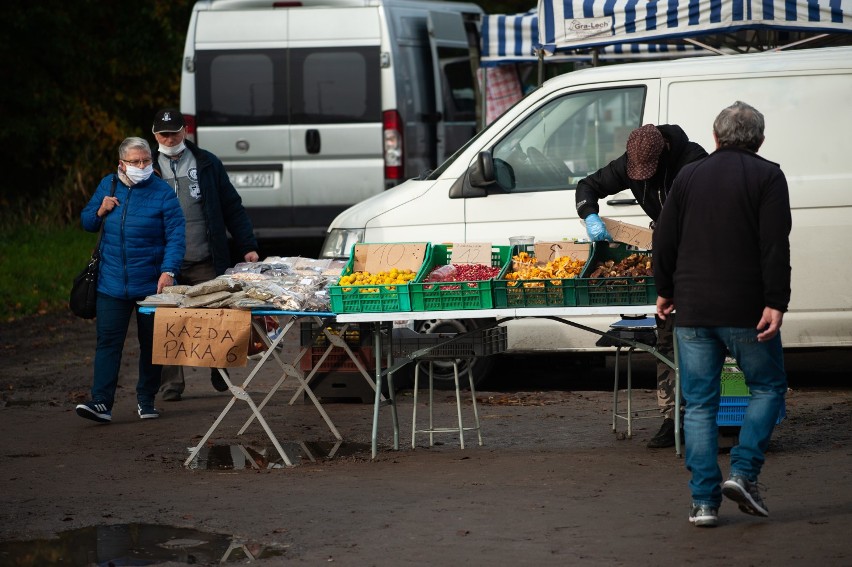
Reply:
x=551, y=485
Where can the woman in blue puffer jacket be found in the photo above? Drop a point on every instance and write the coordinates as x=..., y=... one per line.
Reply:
x=142, y=247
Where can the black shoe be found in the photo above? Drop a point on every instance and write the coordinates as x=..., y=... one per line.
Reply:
x=746, y=494
x=704, y=516
x=171, y=396
x=217, y=380
x=665, y=437
x=147, y=410
x=96, y=411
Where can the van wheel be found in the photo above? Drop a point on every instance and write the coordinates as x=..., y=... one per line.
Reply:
x=443, y=371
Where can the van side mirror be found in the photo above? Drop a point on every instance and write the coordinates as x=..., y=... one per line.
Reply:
x=477, y=178
x=482, y=170
x=484, y=173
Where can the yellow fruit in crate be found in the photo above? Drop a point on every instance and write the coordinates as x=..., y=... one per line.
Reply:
x=391, y=277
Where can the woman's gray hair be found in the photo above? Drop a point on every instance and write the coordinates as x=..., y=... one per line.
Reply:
x=739, y=125
x=133, y=143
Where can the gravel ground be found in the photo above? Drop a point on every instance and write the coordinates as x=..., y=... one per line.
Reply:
x=551, y=484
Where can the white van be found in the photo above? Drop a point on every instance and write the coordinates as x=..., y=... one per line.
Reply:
x=518, y=176
x=314, y=105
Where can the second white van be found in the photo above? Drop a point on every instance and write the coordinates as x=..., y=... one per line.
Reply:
x=518, y=176
x=314, y=105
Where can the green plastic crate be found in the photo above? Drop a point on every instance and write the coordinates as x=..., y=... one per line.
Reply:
x=733, y=381
x=735, y=397
x=373, y=298
x=533, y=293
x=435, y=296
x=616, y=290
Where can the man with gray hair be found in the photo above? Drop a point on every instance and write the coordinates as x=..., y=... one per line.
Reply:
x=722, y=259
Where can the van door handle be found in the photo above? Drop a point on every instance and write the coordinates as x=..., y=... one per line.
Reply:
x=617, y=202
x=312, y=141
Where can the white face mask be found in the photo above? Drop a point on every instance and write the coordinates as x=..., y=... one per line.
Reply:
x=174, y=150
x=137, y=175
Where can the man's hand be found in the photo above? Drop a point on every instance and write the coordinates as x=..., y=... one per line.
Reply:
x=769, y=324
x=664, y=307
x=251, y=256
x=164, y=281
x=596, y=229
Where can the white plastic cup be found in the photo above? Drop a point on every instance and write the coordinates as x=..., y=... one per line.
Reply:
x=521, y=240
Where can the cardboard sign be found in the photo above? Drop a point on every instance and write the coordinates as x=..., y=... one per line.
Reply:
x=632, y=234
x=215, y=338
x=548, y=251
x=375, y=258
x=471, y=253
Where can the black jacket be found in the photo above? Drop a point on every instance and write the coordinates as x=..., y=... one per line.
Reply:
x=722, y=243
x=223, y=208
x=651, y=193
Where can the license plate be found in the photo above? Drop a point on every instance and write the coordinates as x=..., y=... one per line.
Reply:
x=242, y=179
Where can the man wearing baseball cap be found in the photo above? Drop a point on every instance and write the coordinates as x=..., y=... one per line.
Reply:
x=212, y=208
x=654, y=157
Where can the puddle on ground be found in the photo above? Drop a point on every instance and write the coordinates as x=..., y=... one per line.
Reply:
x=237, y=457
x=134, y=544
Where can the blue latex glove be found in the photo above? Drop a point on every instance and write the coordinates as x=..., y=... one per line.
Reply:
x=596, y=229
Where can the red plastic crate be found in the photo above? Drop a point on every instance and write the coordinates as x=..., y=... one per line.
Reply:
x=337, y=360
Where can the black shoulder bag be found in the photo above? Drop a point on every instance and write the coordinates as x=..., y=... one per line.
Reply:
x=84, y=290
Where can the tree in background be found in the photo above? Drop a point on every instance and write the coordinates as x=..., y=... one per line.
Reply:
x=78, y=78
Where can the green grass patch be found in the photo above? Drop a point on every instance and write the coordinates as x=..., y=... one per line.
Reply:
x=37, y=266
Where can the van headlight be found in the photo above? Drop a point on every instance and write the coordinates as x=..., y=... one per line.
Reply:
x=338, y=243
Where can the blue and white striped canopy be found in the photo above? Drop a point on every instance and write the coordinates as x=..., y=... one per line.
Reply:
x=568, y=25
x=509, y=38
x=514, y=38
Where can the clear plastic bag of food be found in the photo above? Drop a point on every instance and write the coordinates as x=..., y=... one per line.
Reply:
x=248, y=268
x=289, y=300
x=318, y=301
x=212, y=286
x=444, y=273
x=164, y=299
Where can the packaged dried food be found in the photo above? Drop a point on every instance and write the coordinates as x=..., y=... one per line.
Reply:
x=212, y=286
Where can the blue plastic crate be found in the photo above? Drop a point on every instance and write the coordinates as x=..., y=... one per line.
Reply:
x=732, y=411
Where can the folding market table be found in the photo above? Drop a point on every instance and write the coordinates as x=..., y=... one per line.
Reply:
x=559, y=314
x=286, y=321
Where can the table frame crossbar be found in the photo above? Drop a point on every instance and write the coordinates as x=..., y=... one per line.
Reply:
x=558, y=314
x=286, y=322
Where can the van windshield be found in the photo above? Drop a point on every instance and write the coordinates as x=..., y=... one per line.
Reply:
x=567, y=138
x=288, y=86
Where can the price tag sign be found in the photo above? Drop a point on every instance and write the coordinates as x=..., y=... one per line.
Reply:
x=471, y=253
x=549, y=251
x=215, y=338
x=632, y=234
x=375, y=258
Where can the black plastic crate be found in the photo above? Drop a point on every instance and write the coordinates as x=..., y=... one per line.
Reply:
x=356, y=334
x=443, y=346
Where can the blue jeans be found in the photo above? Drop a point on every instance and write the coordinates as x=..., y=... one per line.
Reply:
x=701, y=354
x=112, y=322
